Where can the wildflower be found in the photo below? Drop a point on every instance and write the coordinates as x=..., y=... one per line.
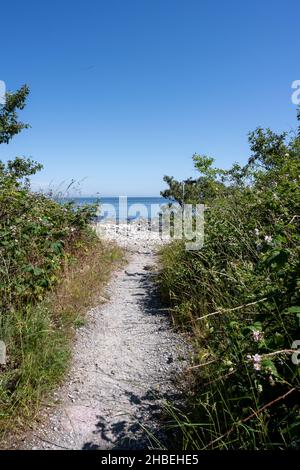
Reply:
x=268, y=239
x=256, y=358
x=256, y=231
x=257, y=335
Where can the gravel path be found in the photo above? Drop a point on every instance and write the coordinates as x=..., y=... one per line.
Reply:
x=126, y=362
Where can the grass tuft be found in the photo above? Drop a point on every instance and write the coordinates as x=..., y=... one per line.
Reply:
x=38, y=337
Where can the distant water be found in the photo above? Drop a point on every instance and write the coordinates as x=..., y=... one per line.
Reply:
x=130, y=209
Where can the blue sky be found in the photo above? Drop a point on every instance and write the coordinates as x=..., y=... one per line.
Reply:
x=125, y=91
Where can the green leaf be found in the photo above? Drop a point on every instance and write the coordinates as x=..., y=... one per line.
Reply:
x=291, y=310
x=38, y=271
x=269, y=364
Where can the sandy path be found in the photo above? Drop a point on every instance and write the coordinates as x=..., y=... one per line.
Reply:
x=126, y=360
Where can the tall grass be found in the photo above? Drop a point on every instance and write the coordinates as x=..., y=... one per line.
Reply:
x=239, y=297
x=52, y=265
x=38, y=335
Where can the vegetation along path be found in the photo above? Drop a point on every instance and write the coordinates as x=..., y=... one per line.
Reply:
x=126, y=362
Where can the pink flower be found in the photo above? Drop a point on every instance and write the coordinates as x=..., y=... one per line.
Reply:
x=256, y=361
x=257, y=335
x=256, y=358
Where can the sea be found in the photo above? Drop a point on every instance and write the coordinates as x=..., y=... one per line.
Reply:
x=123, y=208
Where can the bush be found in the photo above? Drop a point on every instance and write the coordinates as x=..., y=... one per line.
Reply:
x=51, y=263
x=36, y=235
x=240, y=297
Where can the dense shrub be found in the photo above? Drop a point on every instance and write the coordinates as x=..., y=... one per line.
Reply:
x=36, y=233
x=240, y=297
x=43, y=244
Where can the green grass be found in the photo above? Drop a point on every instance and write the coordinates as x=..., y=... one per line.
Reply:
x=39, y=337
x=52, y=266
x=239, y=298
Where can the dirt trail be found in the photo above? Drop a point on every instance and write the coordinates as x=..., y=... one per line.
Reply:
x=126, y=361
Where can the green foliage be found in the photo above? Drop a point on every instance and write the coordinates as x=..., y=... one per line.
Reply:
x=240, y=297
x=9, y=124
x=36, y=234
x=39, y=239
x=199, y=190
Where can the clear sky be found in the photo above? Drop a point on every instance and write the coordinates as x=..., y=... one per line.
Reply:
x=125, y=91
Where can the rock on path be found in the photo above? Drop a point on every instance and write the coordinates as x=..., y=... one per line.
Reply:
x=125, y=363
